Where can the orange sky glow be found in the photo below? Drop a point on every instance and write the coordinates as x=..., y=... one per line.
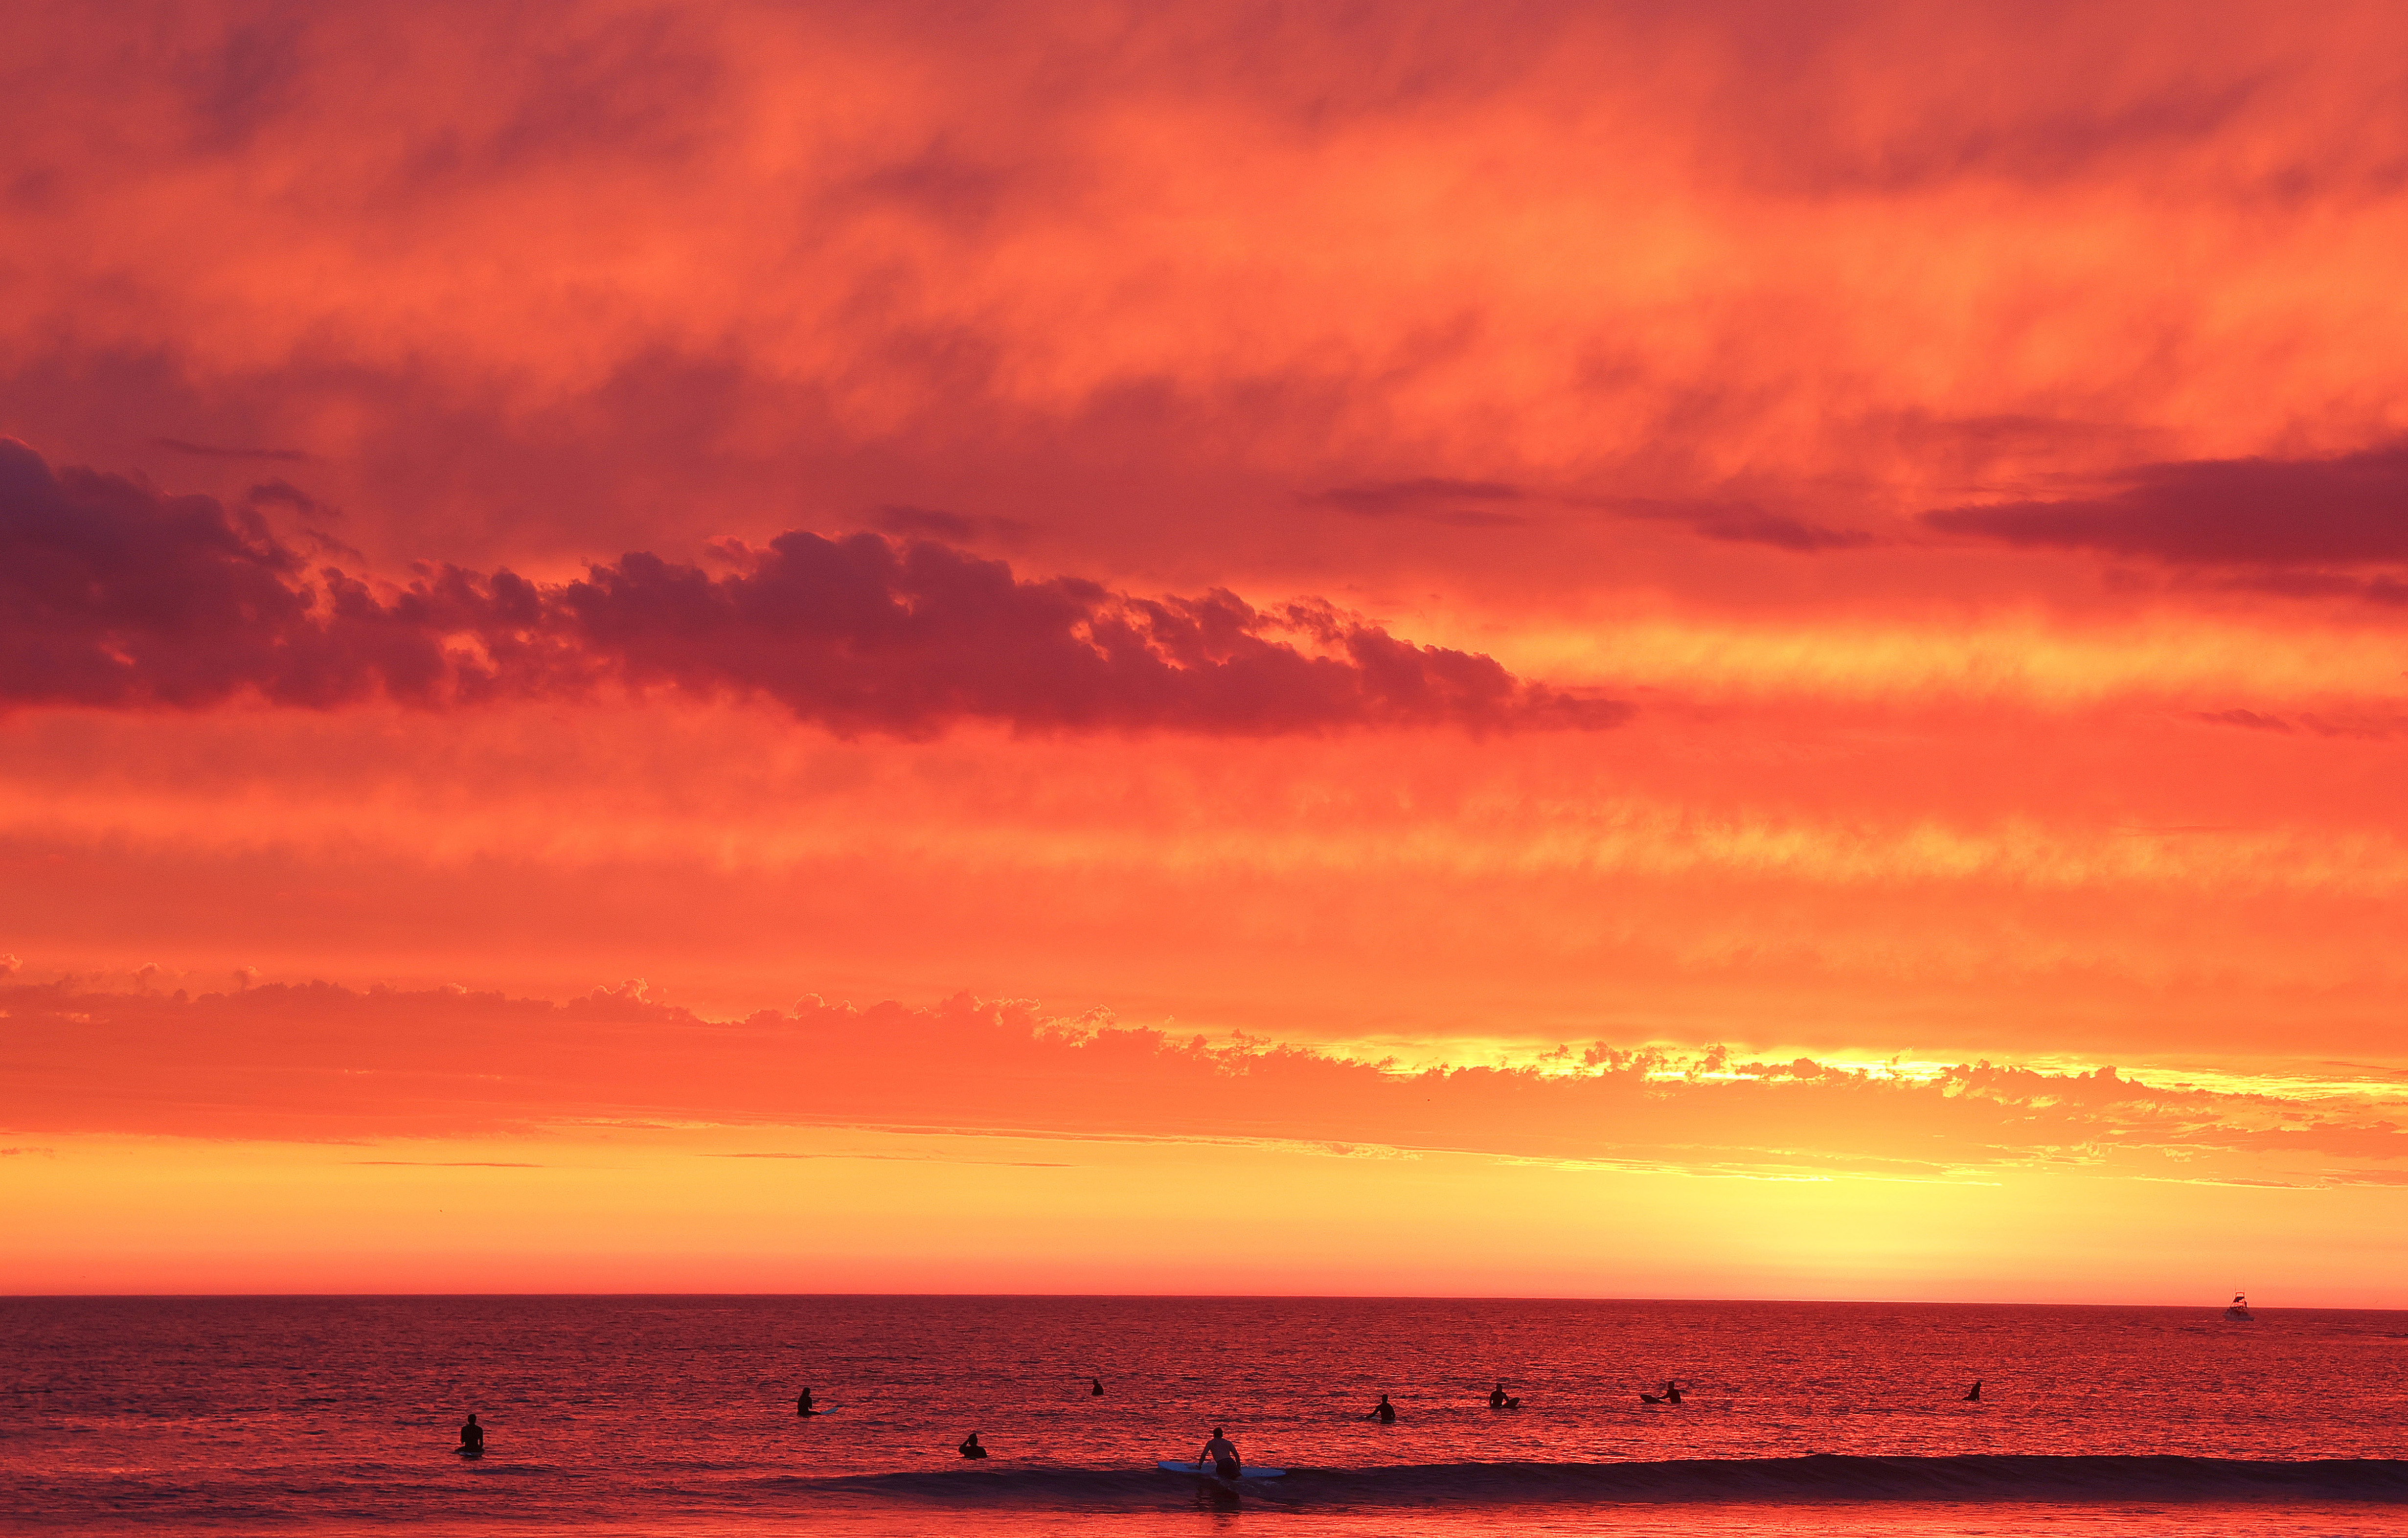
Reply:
x=1724, y=650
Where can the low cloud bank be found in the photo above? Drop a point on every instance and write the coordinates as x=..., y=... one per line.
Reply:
x=2273, y=522
x=322, y=1062
x=113, y=595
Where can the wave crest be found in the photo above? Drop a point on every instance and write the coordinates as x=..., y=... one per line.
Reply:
x=1823, y=1476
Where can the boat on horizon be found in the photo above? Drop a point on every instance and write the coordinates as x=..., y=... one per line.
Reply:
x=2240, y=1309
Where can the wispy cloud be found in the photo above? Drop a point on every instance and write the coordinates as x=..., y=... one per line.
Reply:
x=213, y=451
x=274, y=1061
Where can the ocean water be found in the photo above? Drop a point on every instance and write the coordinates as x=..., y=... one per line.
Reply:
x=675, y=1415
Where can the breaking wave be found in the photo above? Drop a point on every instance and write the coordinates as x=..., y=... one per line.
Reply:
x=1974, y=1478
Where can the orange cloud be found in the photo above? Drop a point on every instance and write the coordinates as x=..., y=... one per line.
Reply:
x=324, y=1062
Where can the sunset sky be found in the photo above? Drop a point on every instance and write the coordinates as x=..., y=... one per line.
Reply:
x=1711, y=650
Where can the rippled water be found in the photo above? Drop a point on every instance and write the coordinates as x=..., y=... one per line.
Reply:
x=676, y=1414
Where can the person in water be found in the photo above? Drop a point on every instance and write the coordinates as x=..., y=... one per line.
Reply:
x=472, y=1439
x=1384, y=1413
x=1671, y=1392
x=1500, y=1399
x=1096, y=1387
x=1974, y=1392
x=1223, y=1453
x=803, y=1404
x=970, y=1448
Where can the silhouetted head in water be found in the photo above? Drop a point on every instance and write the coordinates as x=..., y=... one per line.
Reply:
x=1095, y=1386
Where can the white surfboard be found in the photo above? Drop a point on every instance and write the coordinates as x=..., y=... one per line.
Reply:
x=1204, y=1471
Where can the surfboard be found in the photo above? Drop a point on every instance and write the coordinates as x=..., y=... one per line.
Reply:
x=1249, y=1471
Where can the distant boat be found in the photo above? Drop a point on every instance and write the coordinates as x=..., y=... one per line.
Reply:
x=2240, y=1309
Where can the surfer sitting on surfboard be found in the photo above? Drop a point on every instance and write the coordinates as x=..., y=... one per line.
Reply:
x=472, y=1439
x=1500, y=1399
x=1223, y=1454
x=803, y=1406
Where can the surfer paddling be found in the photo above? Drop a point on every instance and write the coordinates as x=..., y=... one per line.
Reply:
x=1223, y=1455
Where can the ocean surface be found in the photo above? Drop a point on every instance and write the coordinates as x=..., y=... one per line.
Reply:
x=676, y=1415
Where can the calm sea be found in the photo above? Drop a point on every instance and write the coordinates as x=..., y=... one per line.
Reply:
x=675, y=1415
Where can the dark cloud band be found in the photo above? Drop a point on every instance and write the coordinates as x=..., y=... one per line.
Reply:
x=2348, y=510
x=116, y=596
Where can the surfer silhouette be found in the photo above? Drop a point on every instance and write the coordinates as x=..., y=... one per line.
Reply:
x=1974, y=1392
x=970, y=1448
x=1500, y=1399
x=1671, y=1392
x=1224, y=1455
x=1384, y=1413
x=472, y=1439
x=1096, y=1387
x=804, y=1404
